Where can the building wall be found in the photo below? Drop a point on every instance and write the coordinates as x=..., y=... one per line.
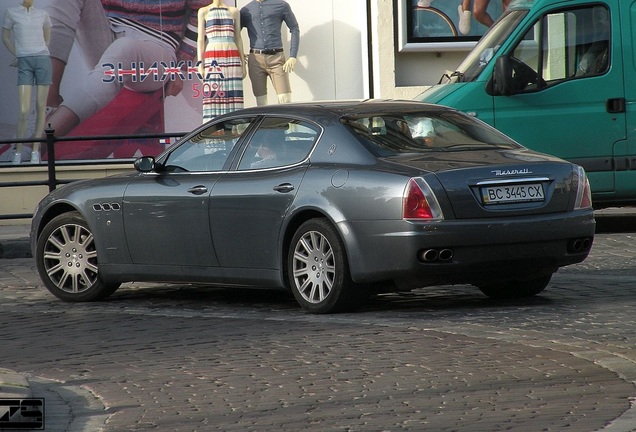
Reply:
x=402, y=73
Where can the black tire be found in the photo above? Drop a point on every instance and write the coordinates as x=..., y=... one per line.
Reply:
x=318, y=270
x=516, y=289
x=66, y=259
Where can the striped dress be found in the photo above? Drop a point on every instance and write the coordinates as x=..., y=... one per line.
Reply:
x=223, y=80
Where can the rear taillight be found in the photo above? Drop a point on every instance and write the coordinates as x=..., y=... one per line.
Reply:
x=419, y=201
x=583, y=191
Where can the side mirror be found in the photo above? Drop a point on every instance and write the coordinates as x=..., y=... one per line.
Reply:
x=145, y=164
x=502, y=85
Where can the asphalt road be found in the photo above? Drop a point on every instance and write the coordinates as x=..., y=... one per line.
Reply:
x=186, y=357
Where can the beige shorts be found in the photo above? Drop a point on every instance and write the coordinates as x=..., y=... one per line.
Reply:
x=262, y=66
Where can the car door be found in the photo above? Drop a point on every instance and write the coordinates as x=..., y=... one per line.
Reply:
x=166, y=213
x=576, y=110
x=248, y=206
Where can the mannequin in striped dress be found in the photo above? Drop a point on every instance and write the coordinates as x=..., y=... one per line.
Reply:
x=222, y=63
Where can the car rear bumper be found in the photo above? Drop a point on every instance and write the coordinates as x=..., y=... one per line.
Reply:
x=454, y=251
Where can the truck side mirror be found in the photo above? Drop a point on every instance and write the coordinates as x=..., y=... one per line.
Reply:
x=502, y=80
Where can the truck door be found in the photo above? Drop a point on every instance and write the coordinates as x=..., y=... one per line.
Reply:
x=566, y=96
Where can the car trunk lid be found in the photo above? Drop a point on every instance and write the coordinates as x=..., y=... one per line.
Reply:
x=497, y=183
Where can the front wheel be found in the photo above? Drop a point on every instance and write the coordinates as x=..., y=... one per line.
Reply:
x=516, y=289
x=66, y=259
x=318, y=271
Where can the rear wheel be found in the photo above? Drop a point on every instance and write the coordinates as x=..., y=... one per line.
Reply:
x=66, y=259
x=318, y=271
x=516, y=289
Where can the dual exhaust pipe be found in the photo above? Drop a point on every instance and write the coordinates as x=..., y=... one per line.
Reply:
x=579, y=245
x=435, y=255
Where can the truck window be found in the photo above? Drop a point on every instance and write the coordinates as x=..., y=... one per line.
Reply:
x=567, y=44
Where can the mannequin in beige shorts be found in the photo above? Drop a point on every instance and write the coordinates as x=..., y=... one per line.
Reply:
x=263, y=20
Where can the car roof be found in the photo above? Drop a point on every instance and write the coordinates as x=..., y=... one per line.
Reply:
x=345, y=107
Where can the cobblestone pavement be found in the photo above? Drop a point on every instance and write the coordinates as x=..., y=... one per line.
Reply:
x=185, y=358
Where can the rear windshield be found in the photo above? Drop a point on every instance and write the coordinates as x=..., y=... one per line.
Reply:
x=390, y=134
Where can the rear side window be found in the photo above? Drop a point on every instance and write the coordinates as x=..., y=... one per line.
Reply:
x=391, y=134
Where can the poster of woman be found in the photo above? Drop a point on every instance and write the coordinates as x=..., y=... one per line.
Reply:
x=119, y=68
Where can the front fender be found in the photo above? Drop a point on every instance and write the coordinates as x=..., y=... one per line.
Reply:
x=101, y=206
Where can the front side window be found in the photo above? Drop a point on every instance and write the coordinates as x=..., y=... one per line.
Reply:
x=208, y=150
x=563, y=45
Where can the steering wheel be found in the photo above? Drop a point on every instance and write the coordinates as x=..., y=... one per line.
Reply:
x=522, y=74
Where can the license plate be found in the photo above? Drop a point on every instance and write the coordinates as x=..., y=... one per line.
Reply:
x=506, y=194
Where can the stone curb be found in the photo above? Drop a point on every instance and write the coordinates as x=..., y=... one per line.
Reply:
x=18, y=248
x=14, y=241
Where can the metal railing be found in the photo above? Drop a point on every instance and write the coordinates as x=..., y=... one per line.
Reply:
x=50, y=140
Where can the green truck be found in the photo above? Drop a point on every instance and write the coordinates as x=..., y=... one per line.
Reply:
x=558, y=76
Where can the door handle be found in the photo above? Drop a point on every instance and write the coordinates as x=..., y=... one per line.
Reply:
x=615, y=105
x=284, y=187
x=198, y=190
